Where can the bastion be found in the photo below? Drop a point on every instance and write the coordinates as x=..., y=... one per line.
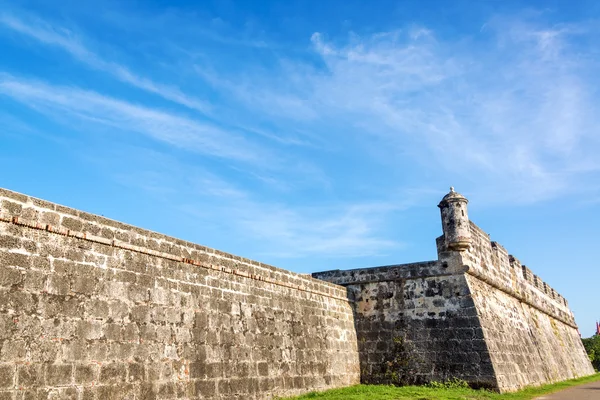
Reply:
x=476, y=314
x=91, y=308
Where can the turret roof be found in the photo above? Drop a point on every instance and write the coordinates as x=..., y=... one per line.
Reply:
x=452, y=195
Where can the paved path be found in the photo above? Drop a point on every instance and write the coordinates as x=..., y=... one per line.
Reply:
x=589, y=391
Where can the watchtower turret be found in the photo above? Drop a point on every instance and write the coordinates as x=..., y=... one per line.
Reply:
x=455, y=221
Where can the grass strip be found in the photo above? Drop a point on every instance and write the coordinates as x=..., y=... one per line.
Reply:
x=384, y=392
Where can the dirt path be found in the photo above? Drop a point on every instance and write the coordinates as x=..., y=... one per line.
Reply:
x=589, y=391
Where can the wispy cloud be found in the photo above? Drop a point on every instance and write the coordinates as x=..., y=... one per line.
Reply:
x=514, y=106
x=178, y=131
x=62, y=38
x=10, y=125
x=336, y=231
x=279, y=230
x=164, y=176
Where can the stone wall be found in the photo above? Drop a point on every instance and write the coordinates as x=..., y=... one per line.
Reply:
x=475, y=313
x=529, y=330
x=416, y=323
x=91, y=308
x=94, y=309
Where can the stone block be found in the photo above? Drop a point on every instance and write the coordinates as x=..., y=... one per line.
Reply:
x=71, y=223
x=49, y=217
x=74, y=350
x=59, y=374
x=7, y=376
x=29, y=213
x=58, y=285
x=113, y=373
x=84, y=285
x=10, y=276
x=69, y=393
x=8, y=242
x=14, y=349
x=148, y=391
x=131, y=332
x=7, y=395
x=86, y=373
x=13, y=208
x=136, y=372
x=117, y=391
x=40, y=263
x=35, y=281
x=89, y=330
x=137, y=294
x=31, y=375
x=12, y=259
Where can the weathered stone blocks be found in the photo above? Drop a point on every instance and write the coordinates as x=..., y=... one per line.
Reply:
x=476, y=314
x=92, y=308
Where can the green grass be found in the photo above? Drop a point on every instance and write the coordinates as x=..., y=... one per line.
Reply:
x=381, y=392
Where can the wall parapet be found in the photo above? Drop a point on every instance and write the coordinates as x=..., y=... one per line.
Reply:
x=490, y=262
x=384, y=273
x=39, y=214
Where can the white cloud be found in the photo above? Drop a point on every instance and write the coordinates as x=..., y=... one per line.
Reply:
x=336, y=231
x=178, y=131
x=66, y=40
x=278, y=230
x=512, y=113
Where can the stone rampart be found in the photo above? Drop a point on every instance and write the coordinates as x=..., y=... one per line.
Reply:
x=91, y=308
x=416, y=323
x=475, y=313
x=490, y=262
x=530, y=332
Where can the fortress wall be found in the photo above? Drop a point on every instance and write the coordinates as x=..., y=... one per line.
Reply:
x=529, y=329
x=476, y=314
x=416, y=323
x=92, y=308
x=491, y=262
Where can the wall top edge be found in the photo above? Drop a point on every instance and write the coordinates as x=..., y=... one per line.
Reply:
x=382, y=268
x=478, y=229
x=495, y=246
x=65, y=211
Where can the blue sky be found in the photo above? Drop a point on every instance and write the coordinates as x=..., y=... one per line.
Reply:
x=315, y=135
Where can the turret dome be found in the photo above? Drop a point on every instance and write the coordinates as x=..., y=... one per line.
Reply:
x=452, y=196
